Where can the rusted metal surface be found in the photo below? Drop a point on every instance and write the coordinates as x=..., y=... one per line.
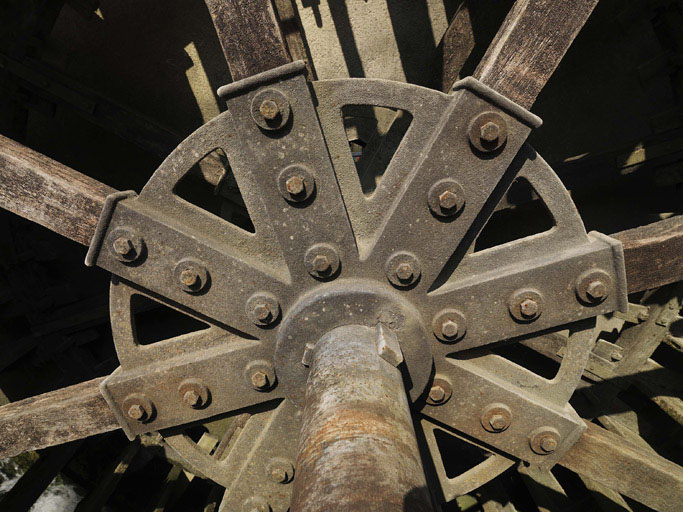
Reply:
x=356, y=423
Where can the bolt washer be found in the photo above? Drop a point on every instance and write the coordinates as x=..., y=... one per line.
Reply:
x=293, y=171
x=400, y=262
x=280, y=118
x=583, y=284
x=519, y=305
x=435, y=198
x=476, y=134
x=544, y=440
x=136, y=245
x=317, y=252
x=196, y=269
x=449, y=316
x=496, y=418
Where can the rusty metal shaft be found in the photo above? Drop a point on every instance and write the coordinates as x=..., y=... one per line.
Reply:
x=357, y=449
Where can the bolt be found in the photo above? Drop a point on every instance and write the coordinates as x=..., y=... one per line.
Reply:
x=616, y=356
x=596, y=290
x=123, y=245
x=262, y=312
x=191, y=398
x=449, y=329
x=489, y=132
x=259, y=379
x=498, y=422
x=448, y=200
x=437, y=394
x=278, y=475
x=321, y=263
x=189, y=277
x=404, y=271
x=295, y=185
x=269, y=109
x=528, y=308
x=137, y=412
x=548, y=444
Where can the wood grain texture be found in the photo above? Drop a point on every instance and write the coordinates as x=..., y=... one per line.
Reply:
x=653, y=254
x=627, y=468
x=249, y=34
x=53, y=418
x=49, y=193
x=530, y=44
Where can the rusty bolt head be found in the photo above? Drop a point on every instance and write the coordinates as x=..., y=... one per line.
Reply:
x=321, y=264
x=295, y=185
x=525, y=305
x=262, y=312
x=596, y=290
x=189, y=277
x=404, y=271
x=278, y=475
x=259, y=379
x=544, y=440
x=549, y=444
x=269, y=109
x=498, y=422
x=449, y=329
x=489, y=132
x=528, y=308
x=496, y=418
x=191, y=398
x=123, y=245
x=440, y=392
x=280, y=470
x=437, y=394
x=448, y=200
x=137, y=412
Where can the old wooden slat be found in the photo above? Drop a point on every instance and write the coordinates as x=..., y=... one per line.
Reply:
x=49, y=193
x=625, y=467
x=292, y=30
x=22, y=496
x=530, y=44
x=53, y=418
x=653, y=253
x=249, y=34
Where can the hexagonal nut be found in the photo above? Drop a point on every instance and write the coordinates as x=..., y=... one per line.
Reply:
x=191, y=275
x=322, y=261
x=126, y=245
x=296, y=183
x=270, y=109
x=593, y=287
x=525, y=305
x=488, y=132
x=260, y=375
x=280, y=470
x=449, y=325
x=440, y=391
x=263, y=309
x=402, y=269
x=138, y=407
x=194, y=393
x=544, y=440
x=446, y=198
x=496, y=418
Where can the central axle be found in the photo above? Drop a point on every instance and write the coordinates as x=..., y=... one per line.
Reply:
x=357, y=449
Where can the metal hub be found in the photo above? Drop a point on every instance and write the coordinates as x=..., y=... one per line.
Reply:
x=399, y=262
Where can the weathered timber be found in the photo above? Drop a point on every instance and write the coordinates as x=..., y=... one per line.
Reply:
x=627, y=468
x=653, y=253
x=249, y=34
x=49, y=193
x=530, y=44
x=54, y=418
x=293, y=32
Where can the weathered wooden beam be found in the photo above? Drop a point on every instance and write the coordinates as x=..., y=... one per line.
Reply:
x=49, y=193
x=249, y=34
x=627, y=468
x=54, y=418
x=653, y=253
x=530, y=44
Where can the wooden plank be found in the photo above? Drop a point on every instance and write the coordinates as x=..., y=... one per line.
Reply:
x=49, y=193
x=293, y=32
x=53, y=418
x=24, y=493
x=530, y=44
x=653, y=254
x=628, y=469
x=249, y=35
